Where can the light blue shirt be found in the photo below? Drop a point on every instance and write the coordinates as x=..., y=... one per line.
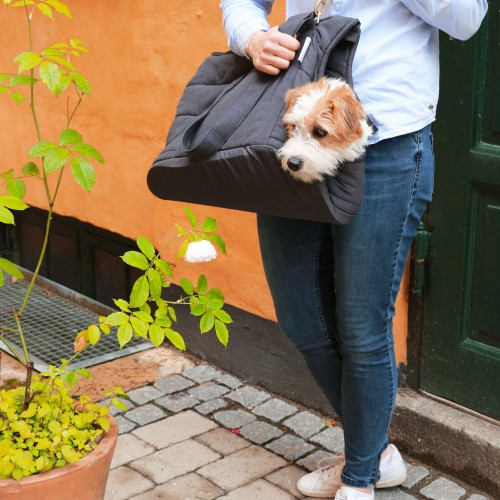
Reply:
x=396, y=66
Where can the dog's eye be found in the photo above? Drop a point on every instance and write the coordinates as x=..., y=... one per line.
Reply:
x=319, y=132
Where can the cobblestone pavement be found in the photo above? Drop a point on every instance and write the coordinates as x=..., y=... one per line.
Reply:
x=203, y=434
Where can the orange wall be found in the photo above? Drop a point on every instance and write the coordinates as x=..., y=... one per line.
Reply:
x=142, y=55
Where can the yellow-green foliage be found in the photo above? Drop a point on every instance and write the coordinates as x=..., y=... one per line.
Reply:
x=56, y=428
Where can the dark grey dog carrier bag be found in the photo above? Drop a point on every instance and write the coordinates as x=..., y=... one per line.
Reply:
x=221, y=147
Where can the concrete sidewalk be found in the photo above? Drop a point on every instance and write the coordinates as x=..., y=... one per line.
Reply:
x=192, y=431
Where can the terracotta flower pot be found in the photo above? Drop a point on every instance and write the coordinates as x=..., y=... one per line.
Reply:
x=83, y=480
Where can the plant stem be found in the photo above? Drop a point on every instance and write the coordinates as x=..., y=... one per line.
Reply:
x=21, y=335
x=12, y=350
x=29, y=373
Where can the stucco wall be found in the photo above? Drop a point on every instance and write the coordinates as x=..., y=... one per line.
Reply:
x=142, y=54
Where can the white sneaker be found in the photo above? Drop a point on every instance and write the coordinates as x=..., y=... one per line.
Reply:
x=346, y=493
x=325, y=481
x=392, y=470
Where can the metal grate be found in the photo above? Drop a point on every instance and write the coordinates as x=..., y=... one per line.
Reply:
x=51, y=321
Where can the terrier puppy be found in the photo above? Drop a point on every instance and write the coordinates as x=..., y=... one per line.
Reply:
x=326, y=125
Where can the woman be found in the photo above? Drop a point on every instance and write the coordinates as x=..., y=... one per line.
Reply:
x=334, y=287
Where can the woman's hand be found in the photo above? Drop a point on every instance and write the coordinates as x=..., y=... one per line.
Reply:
x=271, y=51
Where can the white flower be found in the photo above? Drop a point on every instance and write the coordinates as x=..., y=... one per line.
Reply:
x=200, y=251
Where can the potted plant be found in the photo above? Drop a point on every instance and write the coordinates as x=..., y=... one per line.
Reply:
x=48, y=432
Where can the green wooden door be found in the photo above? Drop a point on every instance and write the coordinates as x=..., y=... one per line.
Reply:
x=461, y=323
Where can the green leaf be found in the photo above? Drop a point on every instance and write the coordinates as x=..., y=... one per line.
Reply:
x=164, y=266
x=116, y=319
x=191, y=217
x=12, y=202
x=55, y=159
x=172, y=313
x=21, y=80
x=16, y=187
x=122, y=305
x=221, y=332
x=70, y=136
x=50, y=74
x=87, y=151
x=144, y=316
x=4, y=89
x=83, y=172
x=17, y=97
x=81, y=82
x=8, y=174
x=61, y=61
x=30, y=168
x=154, y=279
x=215, y=304
x=209, y=225
x=63, y=84
x=182, y=249
x=202, y=285
x=223, y=316
x=124, y=334
x=187, y=286
x=6, y=216
x=45, y=9
x=207, y=322
x=60, y=7
x=156, y=334
x=197, y=309
x=1, y=278
x=215, y=238
x=176, y=339
x=27, y=60
x=140, y=327
x=135, y=259
x=41, y=149
x=94, y=334
x=181, y=230
x=10, y=268
x=140, y=292
x=215, y=293
x=146, y=247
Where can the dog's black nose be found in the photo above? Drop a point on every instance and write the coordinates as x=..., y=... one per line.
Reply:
x=295, y=164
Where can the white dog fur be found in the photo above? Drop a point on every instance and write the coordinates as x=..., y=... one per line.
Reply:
x=326, y=126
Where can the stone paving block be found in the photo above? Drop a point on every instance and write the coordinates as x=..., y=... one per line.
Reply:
x=260, y=432
x=290, y=447
x=475, y=496
x=332, y=438
x=208, y=391
x=124, y=425
x=274, y=410
x=211, y=406
x=287, y=478
x=415, y=475
x=174, y=429
x=230, y=381
x=241, y=467
x=176, y=460
x=310, y=462
x=174, y=383
x=443, y=489
x=146, y=414
x=201, y=373
x=128, y=448
x=305, y=424
x=234, y=419
x=248, y=396
x=177, y=402
x=222, y=441
x=123, y=483
x=393, y=494
x=258, y=489
x=144, y=395
x=188, y=487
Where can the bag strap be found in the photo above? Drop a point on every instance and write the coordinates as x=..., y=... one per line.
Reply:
x=209, y=144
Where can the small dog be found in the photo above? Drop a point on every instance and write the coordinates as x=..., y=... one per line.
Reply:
x=326, y=125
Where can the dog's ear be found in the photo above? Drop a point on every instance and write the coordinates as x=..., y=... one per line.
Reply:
x=347, y=114
x=291, y=97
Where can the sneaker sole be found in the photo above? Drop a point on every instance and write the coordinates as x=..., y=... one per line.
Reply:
x=316, y=494
x=396, y=481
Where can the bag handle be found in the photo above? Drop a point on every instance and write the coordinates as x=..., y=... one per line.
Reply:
x=210, y=143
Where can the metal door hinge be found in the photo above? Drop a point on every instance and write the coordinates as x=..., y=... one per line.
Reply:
x=420, y=254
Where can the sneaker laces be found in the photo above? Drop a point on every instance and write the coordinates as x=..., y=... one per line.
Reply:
x=331, y=465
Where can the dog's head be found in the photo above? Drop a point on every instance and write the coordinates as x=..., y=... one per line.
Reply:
x=326, y=125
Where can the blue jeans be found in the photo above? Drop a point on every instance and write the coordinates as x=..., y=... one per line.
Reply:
x=334, y=289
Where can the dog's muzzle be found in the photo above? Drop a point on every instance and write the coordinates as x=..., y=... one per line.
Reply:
x=295, y=164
